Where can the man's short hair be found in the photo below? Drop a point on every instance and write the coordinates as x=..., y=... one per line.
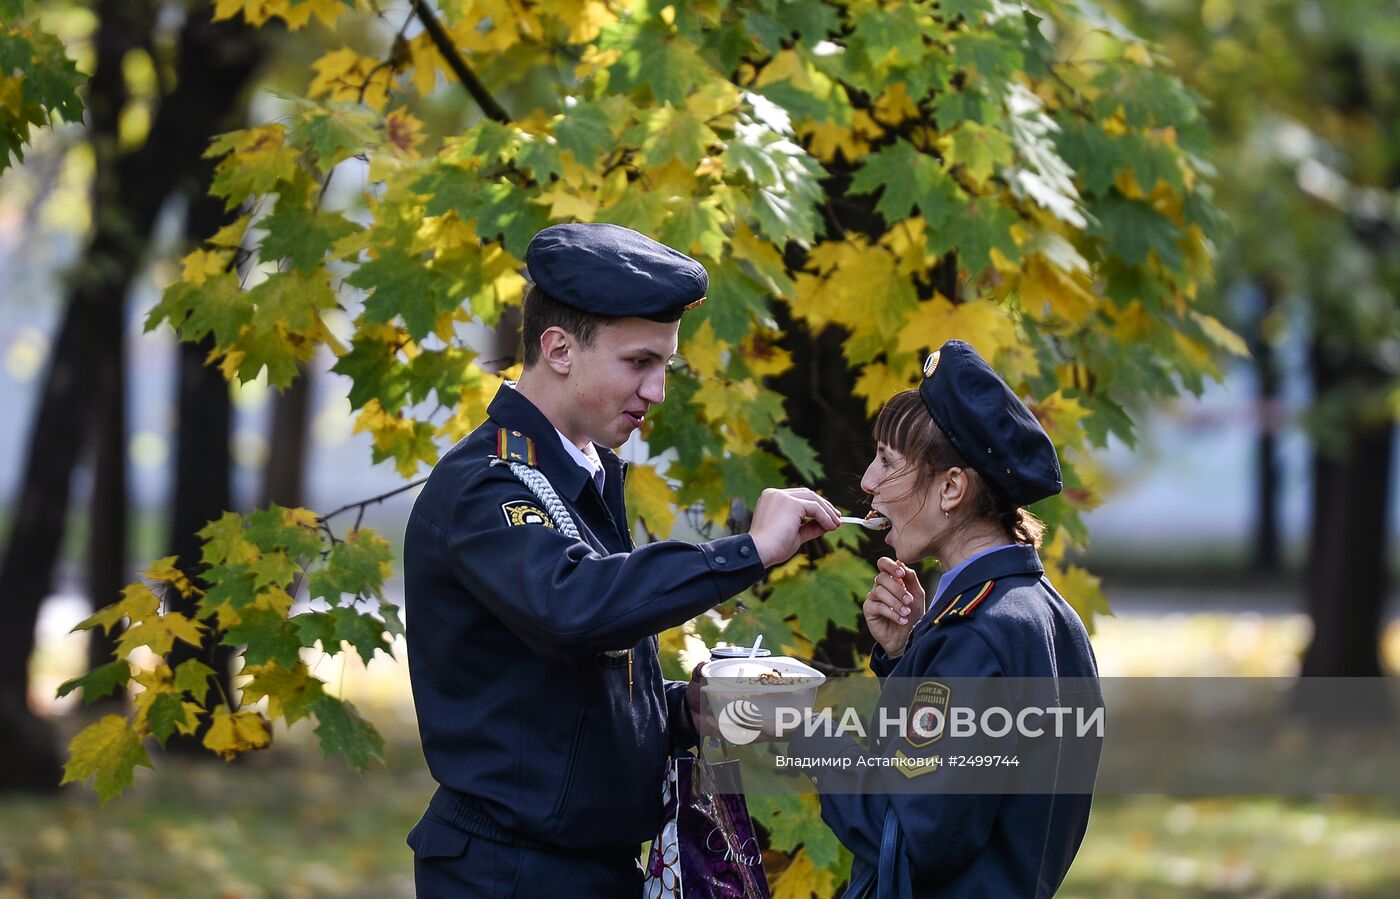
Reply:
x=543, y=312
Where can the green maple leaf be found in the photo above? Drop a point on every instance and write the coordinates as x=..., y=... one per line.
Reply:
x=438, y=371
x=1131, y=228
x=169, y=713
x=303, y=235
x=981, y=225
x=994, y=58
x=292, y=300
x=819, y=597
x=666, y=65
x=675, y=425
x=907, y=179
x=541, y=158
x=291, y=691
x=335, y=133
x=342, y=730
x=695, y=225
x=107, y=752
x=488, y=141
x=1094, y=156
x=403, y=285
x=317, y=627
x=667, y=133
x=969, y=104
x=270, y=530
x=224, y=541
x=356, y=566
x=192, y=676
x=361, y=630
x=407, y=453
x=756, y=617
x=375, y=372
x=583, y=131
x=897, y=32
x=791, y=821
x=978, y=149
x=735, y=299
x=266, y=636
x=279, y=351
x=745, y=477
x=450, y=188
x=53, y=79
x=800, y=453
x=231, y=584
x=10, y=9
x=510, y=215
x=100, y=681
x=275, y=569
x=219, y=307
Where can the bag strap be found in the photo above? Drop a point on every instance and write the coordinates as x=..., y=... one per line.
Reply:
x=893, y=881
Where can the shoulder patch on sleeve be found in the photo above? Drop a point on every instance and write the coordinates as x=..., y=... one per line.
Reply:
x=513, y=446
x=928, y=712
x=525, y=512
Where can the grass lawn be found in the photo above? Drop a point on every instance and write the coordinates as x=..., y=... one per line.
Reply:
x=287, y=823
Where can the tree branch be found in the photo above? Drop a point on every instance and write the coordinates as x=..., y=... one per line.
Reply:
x=458, y=64
x=372, y=500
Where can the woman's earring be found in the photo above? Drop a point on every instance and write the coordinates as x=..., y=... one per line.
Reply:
x=945, y=514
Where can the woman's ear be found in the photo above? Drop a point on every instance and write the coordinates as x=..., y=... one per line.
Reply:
x=952, y=489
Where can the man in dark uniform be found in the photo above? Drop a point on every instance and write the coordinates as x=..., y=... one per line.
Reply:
x=532, y=617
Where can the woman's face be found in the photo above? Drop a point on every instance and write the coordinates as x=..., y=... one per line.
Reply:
x=914, y=514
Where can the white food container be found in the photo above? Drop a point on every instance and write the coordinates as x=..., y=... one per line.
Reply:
x=769, y=683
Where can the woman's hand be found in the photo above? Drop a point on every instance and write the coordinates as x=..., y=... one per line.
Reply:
x=895, y=602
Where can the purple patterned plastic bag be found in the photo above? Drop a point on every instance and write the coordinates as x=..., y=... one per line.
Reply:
x=706, y=848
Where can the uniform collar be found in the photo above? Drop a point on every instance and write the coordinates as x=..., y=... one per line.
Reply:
x=1005, y=562
x=511, y=409
x=592, y=464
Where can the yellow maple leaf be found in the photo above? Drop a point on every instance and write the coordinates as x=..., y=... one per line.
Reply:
x=233, y=732
x=230, y=236
x=725, y=401
x=404, y=132
x=107, y=751
x=288, y=691
x=704, y=352
x=895, y=105
x=762, y=355
x=160, y=632
x=652, y=500
x=585, y=19
x=1067, y=294
x=1061, y=416
x=442, y=233
x=346, y=75
x=567, y=203
x=199, y=266
x=137, y=603
x=165, y=570
x=982, y=323
x=800, y=879
x=298, y=14
x=877, y=383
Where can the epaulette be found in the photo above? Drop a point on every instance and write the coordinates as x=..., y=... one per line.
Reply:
x=513, y=446
x=959, y=609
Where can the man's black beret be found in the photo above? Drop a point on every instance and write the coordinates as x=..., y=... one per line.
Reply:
x=614, y=271
x=989, y=426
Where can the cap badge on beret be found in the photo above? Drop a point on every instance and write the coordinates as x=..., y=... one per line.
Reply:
x=930, y=364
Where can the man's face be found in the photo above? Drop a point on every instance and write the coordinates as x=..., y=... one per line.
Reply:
x=614, y=382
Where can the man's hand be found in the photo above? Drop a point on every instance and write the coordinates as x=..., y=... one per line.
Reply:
x=701, y=715
x=786, y=519
x=893, y=605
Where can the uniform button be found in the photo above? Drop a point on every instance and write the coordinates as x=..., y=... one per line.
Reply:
x=745, y=551
x=721, y=560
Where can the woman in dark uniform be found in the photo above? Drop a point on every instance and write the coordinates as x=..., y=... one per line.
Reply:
x=957, y=461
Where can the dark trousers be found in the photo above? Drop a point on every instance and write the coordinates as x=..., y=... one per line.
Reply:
x=449, y=863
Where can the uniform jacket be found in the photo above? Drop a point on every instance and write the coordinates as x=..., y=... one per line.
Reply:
x=1000, y=618
x=523, y=716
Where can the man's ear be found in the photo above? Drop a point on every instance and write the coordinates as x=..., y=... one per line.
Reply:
x=556, y=349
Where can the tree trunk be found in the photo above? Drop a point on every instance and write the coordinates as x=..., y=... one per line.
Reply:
x=1347, y=577
x=107, y=544
x=203, y=483
x=1266, y=556
x=215, y=63
x=284, y=479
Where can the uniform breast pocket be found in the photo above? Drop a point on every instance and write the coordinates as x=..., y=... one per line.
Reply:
x=571, y=765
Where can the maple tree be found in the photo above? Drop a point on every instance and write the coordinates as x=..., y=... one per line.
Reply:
x=37, y=81
x=895, y=173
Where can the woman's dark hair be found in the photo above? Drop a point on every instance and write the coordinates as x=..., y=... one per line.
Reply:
x=543, y=312
x=905, y=426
